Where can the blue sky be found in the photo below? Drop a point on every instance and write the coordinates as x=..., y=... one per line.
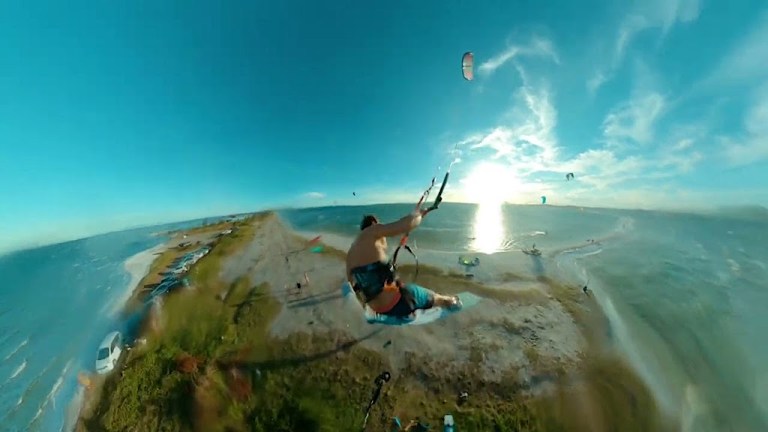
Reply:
x=116, y=115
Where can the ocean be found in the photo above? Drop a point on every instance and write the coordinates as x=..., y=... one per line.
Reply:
x=56, y=305
x=685, y=294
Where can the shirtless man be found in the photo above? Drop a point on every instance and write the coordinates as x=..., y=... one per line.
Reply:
x=371, y=277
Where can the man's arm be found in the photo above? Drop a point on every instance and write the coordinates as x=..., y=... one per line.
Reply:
x=400, y=227
x=349, y=275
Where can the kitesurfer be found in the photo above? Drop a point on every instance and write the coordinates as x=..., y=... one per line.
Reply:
x=373, y=277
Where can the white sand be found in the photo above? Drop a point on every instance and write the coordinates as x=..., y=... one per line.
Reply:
x=500, y=331
x=138, y=267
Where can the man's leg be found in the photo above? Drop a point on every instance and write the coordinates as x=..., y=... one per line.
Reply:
x=445, y=301
x=424, y=298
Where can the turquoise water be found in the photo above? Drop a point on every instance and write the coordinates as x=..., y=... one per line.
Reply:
x=56, y=304
x=686, y=294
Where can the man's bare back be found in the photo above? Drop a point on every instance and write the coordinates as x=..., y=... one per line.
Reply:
x=365, y=250
x=370, y=248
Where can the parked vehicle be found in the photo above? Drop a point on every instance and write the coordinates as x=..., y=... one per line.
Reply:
x=109, y=352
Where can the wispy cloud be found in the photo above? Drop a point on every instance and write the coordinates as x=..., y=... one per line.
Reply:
x=752, y=146
x=659, y=14
x=746, y=59
x=526, y=144
x=526, y=140
x=538, y=46
x=633, y=121
x=314, y=195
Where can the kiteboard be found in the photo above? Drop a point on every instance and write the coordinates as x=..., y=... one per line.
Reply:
x=420, y=317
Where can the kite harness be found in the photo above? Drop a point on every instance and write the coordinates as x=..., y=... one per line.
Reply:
x=404, y=239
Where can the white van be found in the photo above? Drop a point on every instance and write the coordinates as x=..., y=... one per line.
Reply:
x=109, y=353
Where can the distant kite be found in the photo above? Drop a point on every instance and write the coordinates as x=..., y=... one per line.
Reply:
x=354, y=194
x=569, y=176
x=543, y=199
x=467, y=66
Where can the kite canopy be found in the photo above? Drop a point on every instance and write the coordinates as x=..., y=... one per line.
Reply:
x=543, y=199
x=569, y=176
x=467, y=66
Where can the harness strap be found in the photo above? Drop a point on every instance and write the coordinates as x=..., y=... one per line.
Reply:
x=394, y=258
x=373, y=278
x=395, y=300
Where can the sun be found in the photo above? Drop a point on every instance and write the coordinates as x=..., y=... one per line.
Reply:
x=490, y=183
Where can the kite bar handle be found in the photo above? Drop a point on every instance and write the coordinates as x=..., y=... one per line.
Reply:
x=439, y=197
x=438, y=200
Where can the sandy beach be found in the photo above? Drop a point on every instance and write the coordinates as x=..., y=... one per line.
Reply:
x=525, y=338
x=138, y=267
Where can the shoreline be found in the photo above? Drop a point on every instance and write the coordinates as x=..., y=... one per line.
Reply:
x=524, y=343
x=138, y=266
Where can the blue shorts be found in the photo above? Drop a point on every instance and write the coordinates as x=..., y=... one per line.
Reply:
x=412, y=297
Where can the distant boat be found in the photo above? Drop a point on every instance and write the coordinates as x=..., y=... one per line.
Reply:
x=534, y=252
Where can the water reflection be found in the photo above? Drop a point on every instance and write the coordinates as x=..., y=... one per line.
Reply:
x=488, y=229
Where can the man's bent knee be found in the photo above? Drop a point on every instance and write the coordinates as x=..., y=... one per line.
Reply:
x=423, y=298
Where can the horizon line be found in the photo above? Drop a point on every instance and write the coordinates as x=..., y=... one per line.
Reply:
x=691, y=210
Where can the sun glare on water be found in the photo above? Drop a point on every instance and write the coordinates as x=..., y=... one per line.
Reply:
x=483, y=186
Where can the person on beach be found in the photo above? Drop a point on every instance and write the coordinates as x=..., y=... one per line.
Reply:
x=373, y=279
x=299, y=285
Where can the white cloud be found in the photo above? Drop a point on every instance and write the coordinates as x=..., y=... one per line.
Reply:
x=683, y=144
x=753, y=145
x=601, y=168
x=756, y=121
x=314, y=195
x=526, y=140
x=667, y=13
x=680, y=163
x=525, y=143
x=538, y=47
x=746, y=152
x=596, y=81
x=648, y=14
x=746, y=60
x=634, y=121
